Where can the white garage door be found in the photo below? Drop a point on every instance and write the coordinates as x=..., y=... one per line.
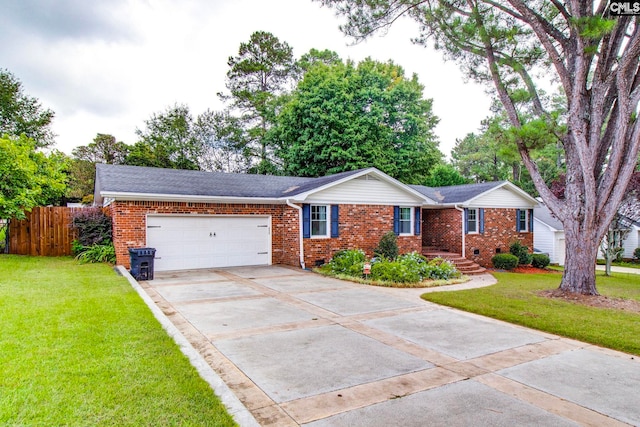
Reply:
x=185, y=242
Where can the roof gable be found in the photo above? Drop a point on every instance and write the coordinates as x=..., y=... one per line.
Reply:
x=479, y=195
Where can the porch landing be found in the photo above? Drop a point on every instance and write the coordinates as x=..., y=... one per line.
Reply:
x=463, y=265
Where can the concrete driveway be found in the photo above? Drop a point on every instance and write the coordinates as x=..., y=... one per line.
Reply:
x=300, y=349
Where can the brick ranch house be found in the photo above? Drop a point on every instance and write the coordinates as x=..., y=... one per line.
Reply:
x=200, y=219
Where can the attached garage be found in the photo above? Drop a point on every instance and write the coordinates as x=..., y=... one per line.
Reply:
x=203, y=241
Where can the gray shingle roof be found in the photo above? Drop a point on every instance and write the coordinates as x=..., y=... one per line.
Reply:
x=147, y=180
x=456, y=193
x=544, y=214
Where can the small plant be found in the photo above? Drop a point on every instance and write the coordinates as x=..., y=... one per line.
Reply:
x=636, y=254
x=505, y=261
x=540, y=260
x=98, y=253
x=348, y=261
x=388, y=246
x=522, y=252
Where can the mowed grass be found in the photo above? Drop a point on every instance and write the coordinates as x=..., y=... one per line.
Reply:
x=515, y=299
x=79, y=347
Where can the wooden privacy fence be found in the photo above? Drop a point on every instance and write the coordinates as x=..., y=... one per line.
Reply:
x=45, y=232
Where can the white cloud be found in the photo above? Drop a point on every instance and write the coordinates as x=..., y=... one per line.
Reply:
x=107, y=66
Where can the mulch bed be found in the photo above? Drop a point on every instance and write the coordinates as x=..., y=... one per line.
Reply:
x=599, y=301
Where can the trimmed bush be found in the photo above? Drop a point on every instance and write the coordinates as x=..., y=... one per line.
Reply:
x=505, y=261
x=540, y=260
x=636, y=254
x=388, y=246
x=522, y=252
x=348, y=261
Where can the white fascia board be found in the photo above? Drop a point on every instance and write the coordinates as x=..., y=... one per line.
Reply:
x=151, y=197
x=416, y=204
x=373, y=171
x=511, y=187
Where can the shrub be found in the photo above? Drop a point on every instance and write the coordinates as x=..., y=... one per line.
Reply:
x=442, y=269
x=540, y=260
x=98, y=253
x=394, y=271
x=505, y=261
x=388, y=246
x=93, y=226
x=348, y=261
x=522, y=252
x=636, y=254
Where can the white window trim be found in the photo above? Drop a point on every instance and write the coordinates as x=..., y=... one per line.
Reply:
x=477, y=220
x=411, y=220
x=328, y=221
x=526, y=221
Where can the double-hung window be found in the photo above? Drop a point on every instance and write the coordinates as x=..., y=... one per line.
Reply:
x=319, y=221
x=472, y=220
x=523, y=220
x=405, y=220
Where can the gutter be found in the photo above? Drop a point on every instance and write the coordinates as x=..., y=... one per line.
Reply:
x=299, y=209
x=464, y=243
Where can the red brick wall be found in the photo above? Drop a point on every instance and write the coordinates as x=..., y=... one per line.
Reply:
x=129, y=224
x=499, y=233
x=442, y=228
x=360, y=227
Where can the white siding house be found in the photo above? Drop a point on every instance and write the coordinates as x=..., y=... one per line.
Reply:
x=549, y=235
x=632, y=241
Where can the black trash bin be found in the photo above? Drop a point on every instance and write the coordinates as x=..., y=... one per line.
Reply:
x=142, y=263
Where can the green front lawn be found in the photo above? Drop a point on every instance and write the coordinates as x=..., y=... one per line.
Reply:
x=79, y=347
x=515, y=299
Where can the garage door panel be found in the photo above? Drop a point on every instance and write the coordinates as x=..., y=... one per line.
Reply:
x=183, y=242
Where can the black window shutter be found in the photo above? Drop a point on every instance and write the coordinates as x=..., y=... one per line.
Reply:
x=334, y=221
x=416, y=217
x=306, y=221
x=396, y=220
x=481, y=220
x=531, y=220
x=518, y=220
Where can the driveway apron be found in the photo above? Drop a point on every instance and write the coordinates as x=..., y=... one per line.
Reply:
x=301, y=349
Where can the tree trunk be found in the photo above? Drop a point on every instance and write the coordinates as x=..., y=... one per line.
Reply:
x=580, y=261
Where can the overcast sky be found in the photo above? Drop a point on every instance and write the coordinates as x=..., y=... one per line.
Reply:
x=105, y=66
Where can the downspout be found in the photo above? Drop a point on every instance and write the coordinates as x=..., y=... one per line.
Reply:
x=464, y=243
x=299, y=209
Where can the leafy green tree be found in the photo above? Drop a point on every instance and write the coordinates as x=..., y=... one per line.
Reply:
x=221, y=135
x=28, y=178
x=315, y=56
x=22, y=114
x=592, y=54
x=258, y=75
x=81, y=169
x=167, y=141
x=443, y=175
x=477, y=158
x=103, y=149
x=343, y=117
